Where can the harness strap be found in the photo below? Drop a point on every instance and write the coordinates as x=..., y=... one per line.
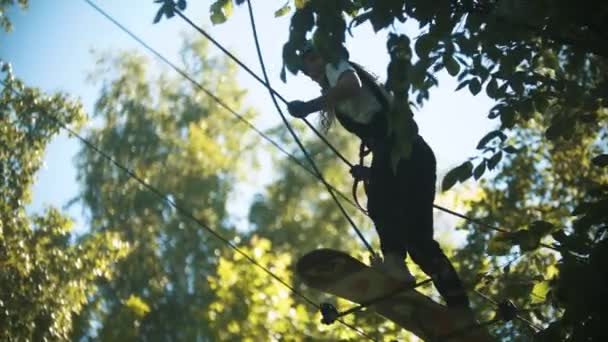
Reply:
x=364, y=150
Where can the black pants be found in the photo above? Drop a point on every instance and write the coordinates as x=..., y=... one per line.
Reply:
x=401, y=206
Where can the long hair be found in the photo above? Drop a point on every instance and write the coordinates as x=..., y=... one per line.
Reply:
x=328, y=116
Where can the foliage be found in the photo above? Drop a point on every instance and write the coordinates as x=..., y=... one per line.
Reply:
x=247, y=294
x=178, y=140
x=297, y=215
x=5, y=22
x=45, y=276
x=544, y=63
x=533, y=199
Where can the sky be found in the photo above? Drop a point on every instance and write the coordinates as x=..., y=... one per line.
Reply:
x=51, y=48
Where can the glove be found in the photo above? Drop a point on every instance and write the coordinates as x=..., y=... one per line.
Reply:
x=360, y=172
x=300, y=109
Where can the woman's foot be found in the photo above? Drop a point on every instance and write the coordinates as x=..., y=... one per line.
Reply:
x=394, y=266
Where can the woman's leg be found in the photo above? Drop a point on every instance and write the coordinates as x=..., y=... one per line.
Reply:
x=416, y=178
x=380, y=194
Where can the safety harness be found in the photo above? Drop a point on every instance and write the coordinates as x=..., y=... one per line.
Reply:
x=364, y=148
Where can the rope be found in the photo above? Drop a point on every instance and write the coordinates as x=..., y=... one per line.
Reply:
x=264, y=83
x=273, y=93
x=518, y=317
x=210, y=94
x=338, y=154
x=295, y=137
x=161, y=196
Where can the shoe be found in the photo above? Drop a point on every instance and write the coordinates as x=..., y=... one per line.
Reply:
x=394, y=266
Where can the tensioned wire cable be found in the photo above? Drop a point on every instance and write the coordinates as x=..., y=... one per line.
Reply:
x=186, y=213
x=275, y=93
x=258, y=78
x=185, y=75
x=272, y=94
x=181, y=72
x=295, y=137
x=212, y=95
x=266, y=84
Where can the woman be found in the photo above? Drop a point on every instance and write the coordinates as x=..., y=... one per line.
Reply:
x=400, y=202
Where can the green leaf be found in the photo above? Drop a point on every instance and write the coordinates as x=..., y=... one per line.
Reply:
x=517, y=86
x=465, y=171
x=283, y=10
x=517, y=289
x=462, y=85
x=560, y=127
x=166, y=9
x=539, y=292
x=228, y=8
x=301, y=3
x=492, y=162
x=510, y=149
x=423, y=46
x=581, y=208
x=449, y=179
x=488, y=137
x=451, y=65
x=220, y=11
x=459, y=174
x=475, y=86
x=507, y=117
x=500, y=244
x=159, y=15
x=479, y=170
x=138, y=306
x=492, y=89
x=218, y=18
x=541, y=228
x=541, y=103
x=601, y=160
x=526, y=239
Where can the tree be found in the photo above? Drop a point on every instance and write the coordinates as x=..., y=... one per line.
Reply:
x=265, y=305
x=181, y=142
x=177, y=277
x=45, y=275
x=533, y=199
x=544, y=63
x=5, y=22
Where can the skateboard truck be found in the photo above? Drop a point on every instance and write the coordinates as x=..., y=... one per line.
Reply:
x=331, y=314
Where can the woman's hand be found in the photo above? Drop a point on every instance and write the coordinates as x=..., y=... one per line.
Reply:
x=300, y=109
x=348, y=86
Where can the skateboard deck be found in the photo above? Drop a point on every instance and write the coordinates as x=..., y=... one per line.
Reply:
x=339, y=274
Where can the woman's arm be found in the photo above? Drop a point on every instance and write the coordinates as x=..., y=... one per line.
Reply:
x=348, y=86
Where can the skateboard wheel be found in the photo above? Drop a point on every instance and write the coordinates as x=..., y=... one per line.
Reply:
x=329, y=313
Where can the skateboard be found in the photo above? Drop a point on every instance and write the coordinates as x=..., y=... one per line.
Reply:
x=339, y=274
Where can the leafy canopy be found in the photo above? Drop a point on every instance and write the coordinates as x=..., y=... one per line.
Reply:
x=544, y=64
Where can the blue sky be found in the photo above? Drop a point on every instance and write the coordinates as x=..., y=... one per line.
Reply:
x=51, y=44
